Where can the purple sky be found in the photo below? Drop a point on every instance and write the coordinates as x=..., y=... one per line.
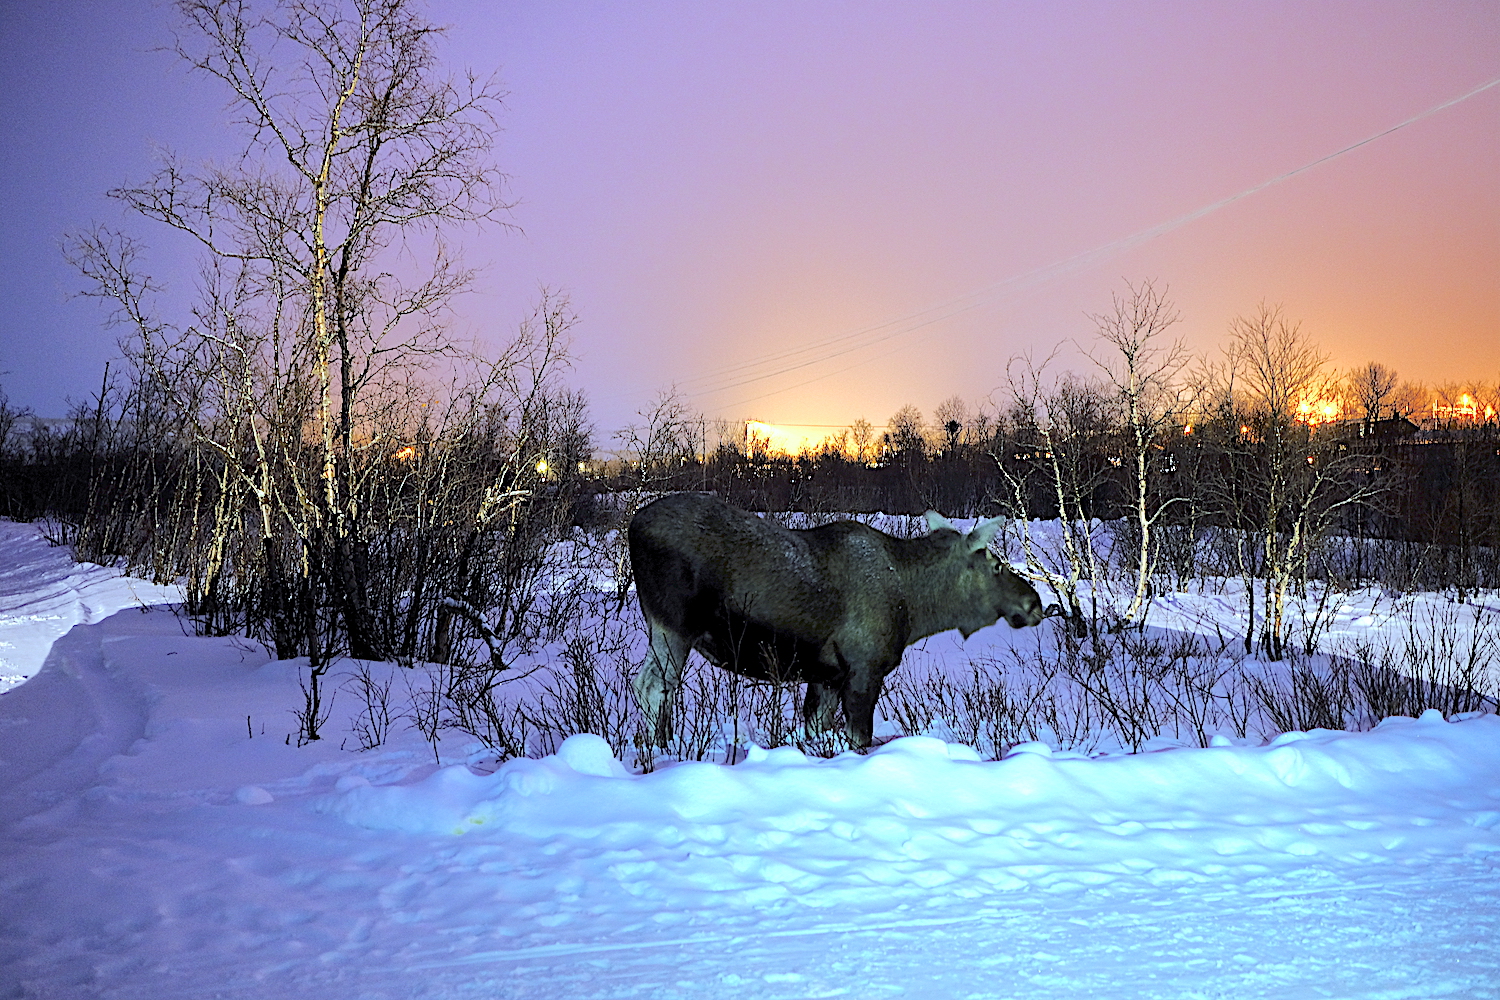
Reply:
x=716, y=184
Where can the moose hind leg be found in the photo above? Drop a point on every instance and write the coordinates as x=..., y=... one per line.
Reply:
x=660, y=680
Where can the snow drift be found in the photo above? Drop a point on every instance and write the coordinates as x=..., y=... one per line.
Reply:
x=923, y=812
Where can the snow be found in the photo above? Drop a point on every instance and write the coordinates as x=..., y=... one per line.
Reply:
x=44, y=593
x=161, y=835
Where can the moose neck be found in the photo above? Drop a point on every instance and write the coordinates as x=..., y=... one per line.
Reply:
x=930, y=580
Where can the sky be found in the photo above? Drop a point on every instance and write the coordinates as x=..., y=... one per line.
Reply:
x=717, y=187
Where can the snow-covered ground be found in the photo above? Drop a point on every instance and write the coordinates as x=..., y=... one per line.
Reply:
x=162, y=836
x=44, y=593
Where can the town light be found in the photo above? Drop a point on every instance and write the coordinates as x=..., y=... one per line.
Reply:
x=1317, y=411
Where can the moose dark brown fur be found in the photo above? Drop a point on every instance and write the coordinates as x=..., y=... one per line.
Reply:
x=833, y=606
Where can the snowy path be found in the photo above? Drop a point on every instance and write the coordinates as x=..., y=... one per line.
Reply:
x=159, y=838
x=44, y=593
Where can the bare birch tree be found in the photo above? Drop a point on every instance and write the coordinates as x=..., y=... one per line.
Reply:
x=355, y=145
x=327, y=275
x=1142, y=370
x=1299, y=481
x=1053, y=459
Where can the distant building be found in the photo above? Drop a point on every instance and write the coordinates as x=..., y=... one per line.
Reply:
x=1391, y=428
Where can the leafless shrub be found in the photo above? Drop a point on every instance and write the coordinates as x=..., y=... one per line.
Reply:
x=991, y=708
x=1121, y=674
x=590, y=693
x=290, y=448
x=315, y=708
x=372, y=724
x=1446, y=661
x=1112, y=689
x=708, y=701
x=771, y=712
x=1105, y=690
x=1304, y=695
x=1316, y=616
x=1443, y=660
x=473, y=704
x=424, y=707
x=1193, y=684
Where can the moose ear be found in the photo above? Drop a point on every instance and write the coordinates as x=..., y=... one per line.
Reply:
x=984, y=532
x=936, y=521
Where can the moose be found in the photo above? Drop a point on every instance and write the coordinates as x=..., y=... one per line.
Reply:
x=833, y=606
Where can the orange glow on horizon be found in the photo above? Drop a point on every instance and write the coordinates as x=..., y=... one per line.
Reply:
x=781, y=439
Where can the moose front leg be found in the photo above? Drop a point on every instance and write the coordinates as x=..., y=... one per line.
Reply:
x=818, y=708
x=860, y=694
